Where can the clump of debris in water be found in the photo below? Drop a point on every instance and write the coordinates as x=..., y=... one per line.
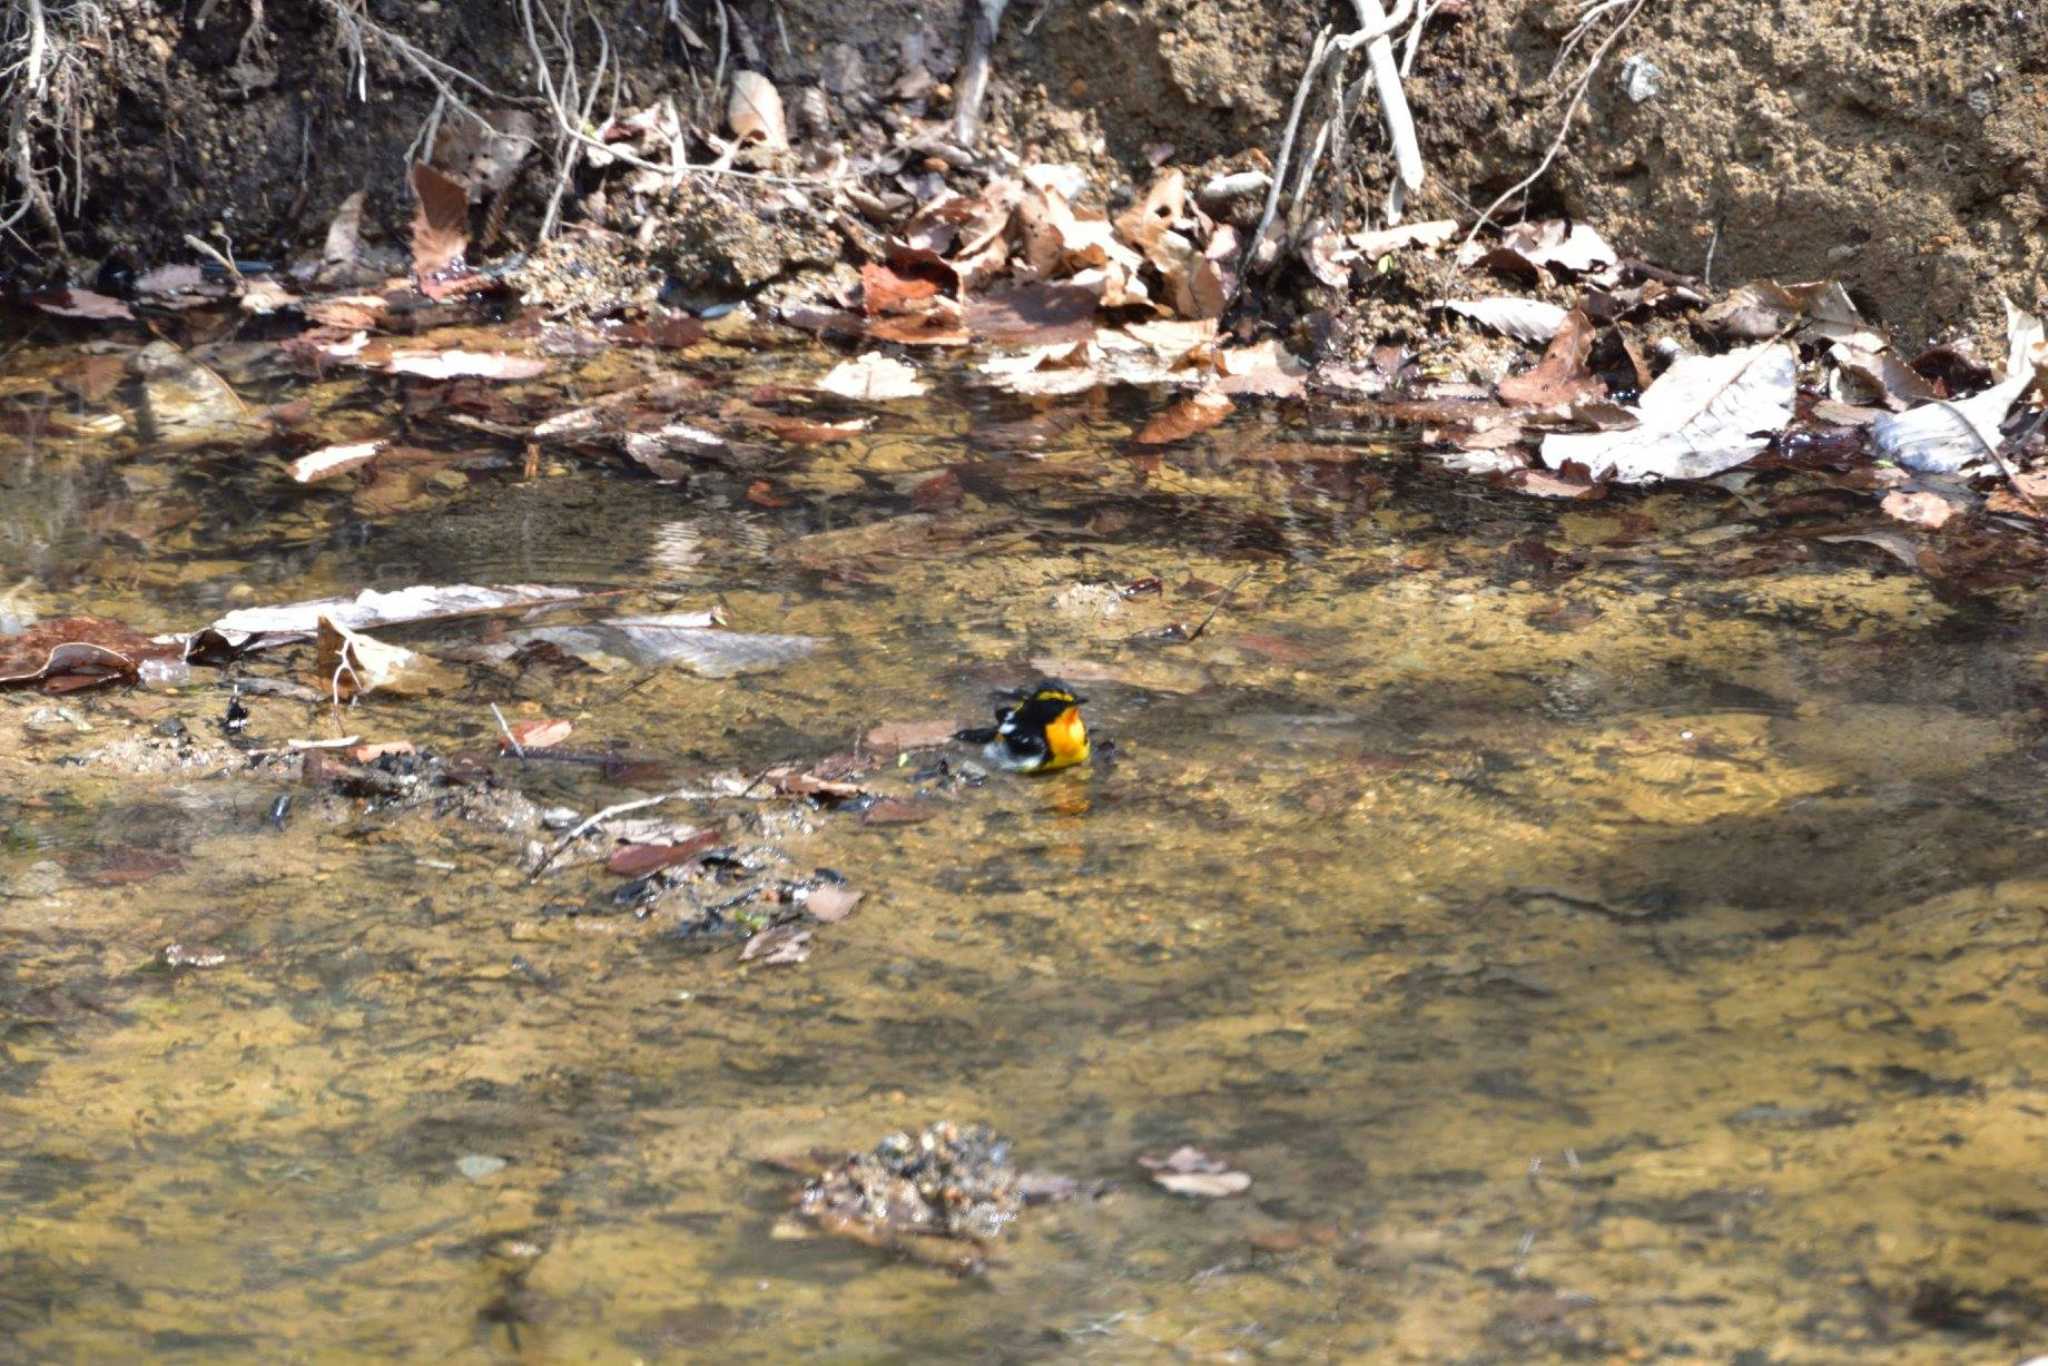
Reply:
x=940, y=1196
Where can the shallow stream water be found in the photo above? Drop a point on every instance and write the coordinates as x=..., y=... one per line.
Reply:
x=1608, y=931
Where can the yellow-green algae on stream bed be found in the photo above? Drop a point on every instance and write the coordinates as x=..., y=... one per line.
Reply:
x=1640, y=964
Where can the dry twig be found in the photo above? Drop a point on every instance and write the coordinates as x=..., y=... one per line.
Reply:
x=1375, y=24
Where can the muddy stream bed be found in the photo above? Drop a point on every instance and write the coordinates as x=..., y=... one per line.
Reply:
x=1610, y=930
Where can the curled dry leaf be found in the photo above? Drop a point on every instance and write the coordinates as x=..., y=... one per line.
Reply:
x=1328, y=259
x=440, y=223
x=1943, y=437
x=1195, y=413
x=1558, y=242
x=1821, y=310
x=1879, y=374
x=755, y=111
x=77, y=652
x=1147, y=221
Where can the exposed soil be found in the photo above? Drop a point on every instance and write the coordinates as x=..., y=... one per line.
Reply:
x=1902, y=148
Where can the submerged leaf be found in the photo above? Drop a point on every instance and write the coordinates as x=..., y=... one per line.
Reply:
x=1196, y=413
x=1192, y=1172
x=354, y=664
x=872, y=377
x=331, y=461
x=465, y=364
x=82, y=303
x=372, y=608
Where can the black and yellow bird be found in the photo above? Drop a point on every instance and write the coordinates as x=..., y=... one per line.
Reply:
x=1038, y=729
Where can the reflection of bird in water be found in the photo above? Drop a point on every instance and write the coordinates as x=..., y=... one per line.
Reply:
x=1038, y=729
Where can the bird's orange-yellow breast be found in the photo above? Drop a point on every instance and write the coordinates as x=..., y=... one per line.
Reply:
x=1066, y=739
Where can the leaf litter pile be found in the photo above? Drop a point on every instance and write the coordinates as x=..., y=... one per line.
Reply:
x=1561, y=368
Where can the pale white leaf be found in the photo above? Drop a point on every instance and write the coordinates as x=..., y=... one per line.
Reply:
x=1379, y=242
x=371, y=608
x=1204, y=1185
x=755, y=111
x=329, y=461
x=872, y=377
x=1944, y=436
x=465, y=365
x=1529, y=320
x=1704, y=415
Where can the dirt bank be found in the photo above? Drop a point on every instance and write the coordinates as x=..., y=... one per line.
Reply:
x=1902, y=148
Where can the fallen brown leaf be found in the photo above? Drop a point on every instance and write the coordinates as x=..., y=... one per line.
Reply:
x=882, y=290
x=896, y=811
x=440, y=223
x=755, y=111
x=637, y=860
x=1560, y=378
